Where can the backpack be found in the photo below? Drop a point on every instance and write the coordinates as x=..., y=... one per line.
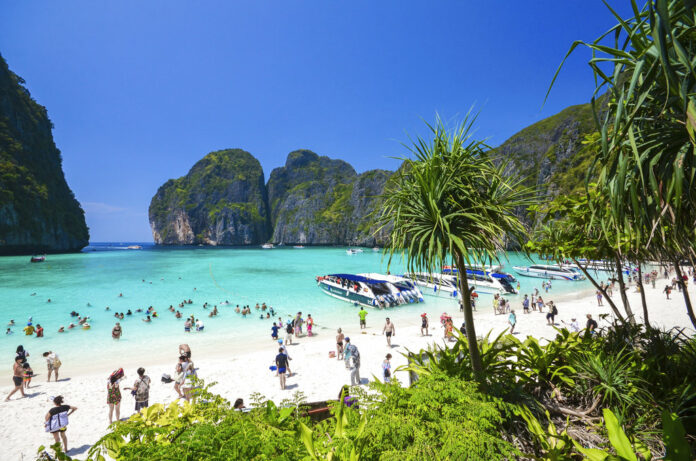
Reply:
x=142, y=390
x=555, y=311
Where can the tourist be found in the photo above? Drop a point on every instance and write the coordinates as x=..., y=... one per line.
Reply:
x=352, y=358
x=310, y=324
x=53, y=363
x=56, y=421
x=28, y=373
x=298, y=325
x=667, y=290
x=496, y=304
x=274, y=331
x=362, y=314
x=599, y=298
x=199, y=325
x=281, y=362
x=339, y=344
x=287, y=354
x=386, y=368
x=389, y=330
x=147, y=319
x=512, y=320
x=540, y=304
x=185, y=350
x=553, y=312
x=474, y=297
x=22, y=353
x=9, y=331
x=188, y=371
x=61, y=329
x=113, y=394
x=39, y=331
x=424, y=324
x=29, y=329
x=117, y=331
x=591, y=325
x=17, y=377
x=187, y=326
x=239, y=404
x=288, y=332
x=574, y=325
x=141, y=390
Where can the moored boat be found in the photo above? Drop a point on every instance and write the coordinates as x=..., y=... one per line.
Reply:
x=267, y=246
x=550, y=272
x=299, y=247
x=353, y=251
x=38, y=259
x=371, y=290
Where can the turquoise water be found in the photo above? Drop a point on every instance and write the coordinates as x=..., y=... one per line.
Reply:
x=283, y=278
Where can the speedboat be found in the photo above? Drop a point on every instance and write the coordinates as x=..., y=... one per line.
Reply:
x=371, y=290
x=267, y=246
x=353, y=251
x=38, y=259
x=299, y=247
x=439, y=285
x=134, y=247
x=485, y=281
x=550, y=272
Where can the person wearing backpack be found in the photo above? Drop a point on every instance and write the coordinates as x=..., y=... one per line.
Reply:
x=352, y=357
x=141, y=390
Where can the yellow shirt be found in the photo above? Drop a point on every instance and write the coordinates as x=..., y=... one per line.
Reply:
x=29, y=330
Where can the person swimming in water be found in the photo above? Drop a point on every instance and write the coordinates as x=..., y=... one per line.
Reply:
x=61, y=329
x=147, y=319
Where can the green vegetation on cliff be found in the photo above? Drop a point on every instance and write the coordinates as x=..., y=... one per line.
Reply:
x=221, y=201
x=38, y=211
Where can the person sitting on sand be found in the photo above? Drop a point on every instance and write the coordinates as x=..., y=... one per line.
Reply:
x=56, y=421
x=117, y=331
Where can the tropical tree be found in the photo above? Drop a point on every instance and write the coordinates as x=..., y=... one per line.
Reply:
x=644, y=66
x=452, y=203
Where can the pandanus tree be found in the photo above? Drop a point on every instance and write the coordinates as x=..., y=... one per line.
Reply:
x=644, y=67
x=451, y=202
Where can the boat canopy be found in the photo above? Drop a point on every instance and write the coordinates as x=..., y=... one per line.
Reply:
x=357, y=278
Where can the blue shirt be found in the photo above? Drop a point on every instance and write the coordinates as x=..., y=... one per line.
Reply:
x=274, y=329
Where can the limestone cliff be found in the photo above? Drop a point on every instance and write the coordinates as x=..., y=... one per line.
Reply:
x=38, y=211
x=221, y=201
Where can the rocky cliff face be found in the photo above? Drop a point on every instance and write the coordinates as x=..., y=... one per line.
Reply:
x=38, y=211
x=315, y=200
x=553, y=154
x=221, y=201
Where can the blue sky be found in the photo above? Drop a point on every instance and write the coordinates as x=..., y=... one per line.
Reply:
x=139, y=91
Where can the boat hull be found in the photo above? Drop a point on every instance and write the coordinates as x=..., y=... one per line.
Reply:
x=348, y=296
x=545, y=275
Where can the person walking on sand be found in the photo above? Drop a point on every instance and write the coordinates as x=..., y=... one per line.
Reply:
x=553, y=312
x=525, y=305
x=288, y=332
x=386, y=368
x=17, y=377
x=53, y=363
x=591, y=326
x=117, y=331
x=389, y=330
x=424, y=324
x=599, y=298
x=56, y=421
x=512, y=320
x=113, y=394
x=339, y=344
x=667, y=290
x=281, y=362
x=310, y=324
x=362, y=314
x=141, y=390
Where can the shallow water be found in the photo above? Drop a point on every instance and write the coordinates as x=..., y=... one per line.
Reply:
x=283, y=278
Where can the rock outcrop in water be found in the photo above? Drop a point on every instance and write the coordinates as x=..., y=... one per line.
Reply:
x=221, y=201
x=316, y=200
x=38, y=211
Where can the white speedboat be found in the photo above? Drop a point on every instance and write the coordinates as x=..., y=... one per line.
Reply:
x=550, y=272
x=371, y=290
x=353, y=251
x=447, y=282
x=299, y=247
x=439, y=285
x=267, y=246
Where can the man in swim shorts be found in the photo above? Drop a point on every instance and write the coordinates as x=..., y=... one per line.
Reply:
x=389, y=330
x=281, y=361
x=17, y=377
x=362, y=314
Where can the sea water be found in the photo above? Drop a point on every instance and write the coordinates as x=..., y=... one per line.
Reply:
x=284, y=278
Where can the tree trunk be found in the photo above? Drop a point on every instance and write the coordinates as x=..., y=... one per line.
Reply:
x=642, y=297
x=474, y=353
x=687, y=299
x=624, y=297
x=617, y=313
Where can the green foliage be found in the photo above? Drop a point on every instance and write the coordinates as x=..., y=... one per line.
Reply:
x=32, y=184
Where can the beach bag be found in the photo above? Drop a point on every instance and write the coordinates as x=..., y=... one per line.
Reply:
x=555, y=311
x=166, y=378
x=57, y=363
x=57, y=422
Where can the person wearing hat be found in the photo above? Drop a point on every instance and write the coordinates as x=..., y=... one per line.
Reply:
x=29, y=329
x=424, y=324
x=574, y=325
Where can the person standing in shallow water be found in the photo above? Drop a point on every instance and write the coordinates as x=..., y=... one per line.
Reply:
x=363, y=315
x=117, y=331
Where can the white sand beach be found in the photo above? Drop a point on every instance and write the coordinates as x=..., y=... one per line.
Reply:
x=243, y=369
